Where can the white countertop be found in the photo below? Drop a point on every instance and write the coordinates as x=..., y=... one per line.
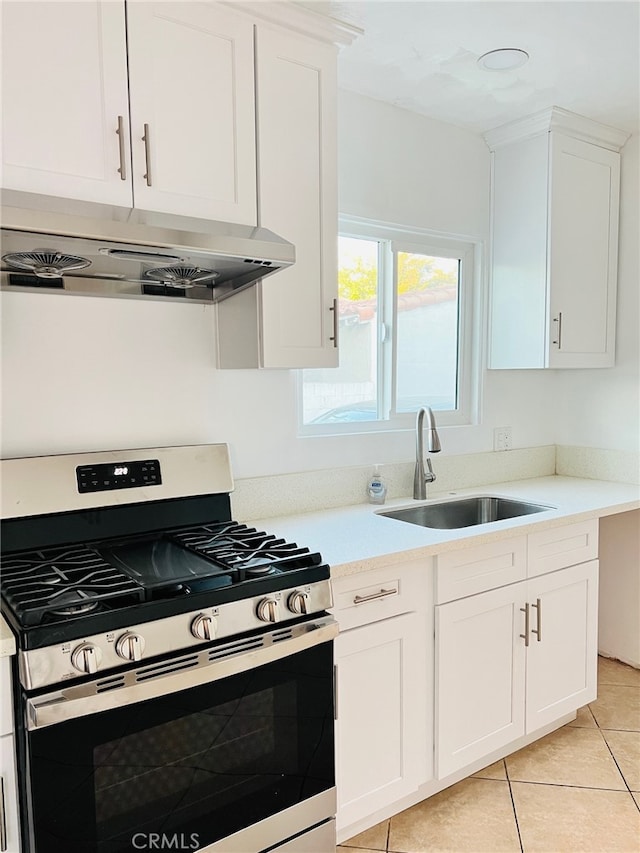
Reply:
x=7, y=640
x=356, y=538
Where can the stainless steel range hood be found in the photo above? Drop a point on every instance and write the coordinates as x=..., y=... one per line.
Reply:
x=131, y=253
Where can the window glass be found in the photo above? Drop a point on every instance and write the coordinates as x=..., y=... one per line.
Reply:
x=405, y=303
x=349, y=393
x=427, y=332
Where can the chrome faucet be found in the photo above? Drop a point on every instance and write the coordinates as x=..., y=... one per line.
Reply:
x=420, y=479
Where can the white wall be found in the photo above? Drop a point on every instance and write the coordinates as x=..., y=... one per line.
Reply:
x=399, y=167
x=80, y=373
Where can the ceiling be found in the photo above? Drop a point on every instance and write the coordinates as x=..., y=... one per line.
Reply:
x=422, y=56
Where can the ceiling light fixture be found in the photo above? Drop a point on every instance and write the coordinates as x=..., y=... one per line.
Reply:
x=503, y=59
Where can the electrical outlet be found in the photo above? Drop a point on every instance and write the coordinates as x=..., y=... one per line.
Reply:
x=502, y=438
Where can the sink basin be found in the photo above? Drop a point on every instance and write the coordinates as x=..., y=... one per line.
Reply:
x=466, y=512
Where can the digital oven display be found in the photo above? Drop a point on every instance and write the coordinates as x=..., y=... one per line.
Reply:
x=118, y=475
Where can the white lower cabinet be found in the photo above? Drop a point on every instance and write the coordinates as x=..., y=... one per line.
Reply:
x=9, y=829
x=383, y=656
x=511, y=660
x=446, y=663
x=562, y=656
x=480, y=668
x=381, y=714
x=9, y=797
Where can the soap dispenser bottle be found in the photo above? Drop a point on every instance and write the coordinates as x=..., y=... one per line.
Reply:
x=376, y=487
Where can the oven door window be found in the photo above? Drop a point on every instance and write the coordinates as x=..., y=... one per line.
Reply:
x=195, y=766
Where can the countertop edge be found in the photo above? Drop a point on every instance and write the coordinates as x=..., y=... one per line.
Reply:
x=574, y=500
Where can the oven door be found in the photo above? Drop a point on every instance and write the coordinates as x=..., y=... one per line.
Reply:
x=234, y=751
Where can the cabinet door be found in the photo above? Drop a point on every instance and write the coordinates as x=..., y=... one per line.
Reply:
x=297, y=143
x=518, y=297
x=583, y=249
x=480, y=676
x=9, y=795
x=192, y=110
x=562, y=652
x=64, y=86
x=382, y=737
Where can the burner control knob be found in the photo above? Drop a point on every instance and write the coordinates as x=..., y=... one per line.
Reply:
x=86, y=658
x=297, y=602
x=203, y=627
x=130, y=646
x=267, y=610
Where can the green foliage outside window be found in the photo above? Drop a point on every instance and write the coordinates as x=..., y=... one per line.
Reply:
x=416, y=273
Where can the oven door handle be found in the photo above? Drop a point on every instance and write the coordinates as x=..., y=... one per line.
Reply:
x=180, y=673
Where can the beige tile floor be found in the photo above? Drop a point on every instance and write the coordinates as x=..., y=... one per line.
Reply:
x=575, y=791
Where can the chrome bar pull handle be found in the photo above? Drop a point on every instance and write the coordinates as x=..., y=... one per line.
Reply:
x=525, y=636
x=147, y=154
x=3, y=818
x=538, y=629
x=334, y=337
x=558, y=321
x=123, y=161
x=359, y=599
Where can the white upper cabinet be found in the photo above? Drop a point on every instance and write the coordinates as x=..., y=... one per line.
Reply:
x=297, y=143
x=203, y=109
x=190, y=147
x=290, y=319
x=64, y=99
x=555, y=206
x=192, y=110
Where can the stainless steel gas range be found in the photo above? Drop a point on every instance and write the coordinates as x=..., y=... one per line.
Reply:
x=174, y=677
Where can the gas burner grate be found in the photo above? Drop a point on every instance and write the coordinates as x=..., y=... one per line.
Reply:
x=249, y=552
x=61, y=583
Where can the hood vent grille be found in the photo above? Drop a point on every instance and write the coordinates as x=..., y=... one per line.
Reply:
x=45, y=263
x=138, y=254
x=182, y=277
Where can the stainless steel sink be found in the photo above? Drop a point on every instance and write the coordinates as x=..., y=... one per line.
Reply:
x=450, y=515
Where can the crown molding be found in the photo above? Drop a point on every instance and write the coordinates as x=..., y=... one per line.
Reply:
x=301, y=19
x=561, y=121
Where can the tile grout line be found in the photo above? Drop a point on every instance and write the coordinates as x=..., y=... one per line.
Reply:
x=576, y=787
x=513, y=805
x=615, y=761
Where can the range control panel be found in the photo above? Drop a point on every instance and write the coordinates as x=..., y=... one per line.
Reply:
x=118, y=475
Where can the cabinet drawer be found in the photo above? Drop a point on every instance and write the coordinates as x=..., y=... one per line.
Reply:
x=480, y=568
x=562, y=546
x=381, y=593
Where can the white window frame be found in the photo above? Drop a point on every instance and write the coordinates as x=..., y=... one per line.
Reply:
x=418, y=241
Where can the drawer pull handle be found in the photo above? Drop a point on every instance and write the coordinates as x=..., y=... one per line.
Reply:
x=538, y=629
x=359, y=599
x=525, y=636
